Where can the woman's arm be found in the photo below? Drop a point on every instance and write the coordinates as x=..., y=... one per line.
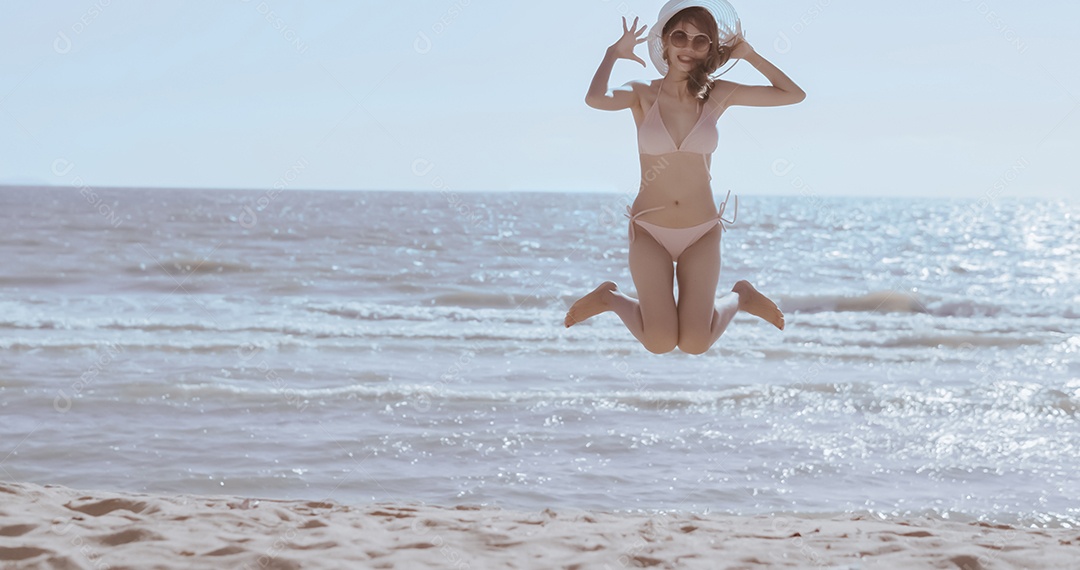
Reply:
x=783, y=91
x=624, y=97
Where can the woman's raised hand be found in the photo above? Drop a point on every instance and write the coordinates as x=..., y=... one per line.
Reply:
x=742, y=49
x=624, y=48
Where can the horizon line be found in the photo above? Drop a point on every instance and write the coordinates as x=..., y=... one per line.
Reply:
x=813, y=196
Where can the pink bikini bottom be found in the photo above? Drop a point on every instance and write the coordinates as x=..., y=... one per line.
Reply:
x=676, y=240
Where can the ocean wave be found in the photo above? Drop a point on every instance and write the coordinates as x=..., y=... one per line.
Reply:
x=171, y=346
x=476, y=299
x=858, y=397
x=879, y=302
x=851, y=336
x=35, y=281
x=185, y=267
x=888, y=301
x=427, y=313
x=960, y=341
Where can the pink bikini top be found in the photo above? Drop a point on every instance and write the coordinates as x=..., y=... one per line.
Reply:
x=655, y=139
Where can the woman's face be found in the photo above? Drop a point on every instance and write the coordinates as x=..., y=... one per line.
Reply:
x=685, y=58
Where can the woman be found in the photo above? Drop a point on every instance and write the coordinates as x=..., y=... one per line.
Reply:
x=674, y=218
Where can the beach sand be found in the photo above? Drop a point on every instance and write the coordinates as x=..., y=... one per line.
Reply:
x=58, y=527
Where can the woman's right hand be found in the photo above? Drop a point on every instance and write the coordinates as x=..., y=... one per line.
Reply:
x=624, y=48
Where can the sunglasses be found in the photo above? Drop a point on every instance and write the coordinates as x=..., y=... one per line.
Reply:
x=699, y=42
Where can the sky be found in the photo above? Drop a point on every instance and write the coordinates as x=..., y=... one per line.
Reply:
x=945, y=98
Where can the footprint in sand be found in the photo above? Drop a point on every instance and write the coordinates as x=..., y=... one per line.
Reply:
x=20, y=553
x=99, y=508
x=128, y=536
x=16, y=529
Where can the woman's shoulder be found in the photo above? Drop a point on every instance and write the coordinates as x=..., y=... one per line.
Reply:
x=643, y=92
x=646, y=90
x=723, y=87
x=650, y=85
x=721, y=91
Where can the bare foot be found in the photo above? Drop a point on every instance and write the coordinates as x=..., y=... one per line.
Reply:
x=753, y=302
x=590, y=305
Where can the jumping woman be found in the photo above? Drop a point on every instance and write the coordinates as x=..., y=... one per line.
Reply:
x=675, y=226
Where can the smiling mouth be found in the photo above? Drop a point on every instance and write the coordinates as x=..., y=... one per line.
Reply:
x=686, y=59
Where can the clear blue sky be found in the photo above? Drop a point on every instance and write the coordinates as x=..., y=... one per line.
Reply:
x=925, y=98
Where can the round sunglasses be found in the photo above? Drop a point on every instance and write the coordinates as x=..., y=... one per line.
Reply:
x=699, y=42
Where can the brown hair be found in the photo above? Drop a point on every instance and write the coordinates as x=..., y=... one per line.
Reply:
x=700, y=84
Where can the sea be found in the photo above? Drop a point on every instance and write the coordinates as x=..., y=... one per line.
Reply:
x=370, y=347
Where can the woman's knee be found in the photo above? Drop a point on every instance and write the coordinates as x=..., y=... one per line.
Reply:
x=661, y=345
x=694, y=344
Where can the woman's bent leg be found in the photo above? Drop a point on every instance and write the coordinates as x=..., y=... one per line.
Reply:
x=652, y=318
x=701, y=319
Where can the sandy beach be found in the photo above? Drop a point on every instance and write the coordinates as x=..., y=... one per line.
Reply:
x=58, y=527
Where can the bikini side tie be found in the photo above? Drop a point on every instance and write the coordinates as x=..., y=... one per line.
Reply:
x=723, y=206
x=635, y=216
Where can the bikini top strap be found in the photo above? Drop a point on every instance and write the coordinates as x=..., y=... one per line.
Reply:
x=659, y=92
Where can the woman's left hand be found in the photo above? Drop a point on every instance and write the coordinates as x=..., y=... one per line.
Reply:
x=742, y=50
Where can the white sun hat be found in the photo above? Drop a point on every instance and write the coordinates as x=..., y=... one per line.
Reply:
x=727, y=22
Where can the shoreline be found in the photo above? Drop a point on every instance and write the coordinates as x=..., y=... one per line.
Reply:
x=49, y=526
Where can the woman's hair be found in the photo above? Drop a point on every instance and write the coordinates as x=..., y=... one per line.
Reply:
x=700, y=84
